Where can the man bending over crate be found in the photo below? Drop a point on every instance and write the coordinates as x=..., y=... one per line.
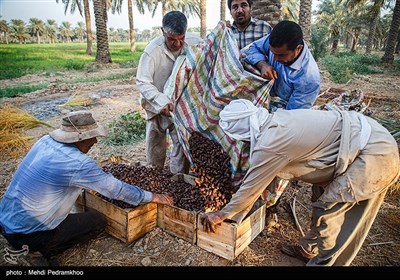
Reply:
x=350, y=159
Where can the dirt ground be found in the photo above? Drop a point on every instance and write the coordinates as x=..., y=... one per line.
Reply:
x=158, y=248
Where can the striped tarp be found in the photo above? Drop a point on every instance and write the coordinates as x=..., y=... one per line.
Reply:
x=203, y=82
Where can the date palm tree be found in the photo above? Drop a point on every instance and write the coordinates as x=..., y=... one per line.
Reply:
x=73, y=4
x=18, y=31
x=80, y=31
x=188, y=7
x=268, y=10
x=203, y=16
x=305, y=18
x=373, y=15
x=100, y=14
x=388, y=56
x=140, y=4
x=51, y=30
x=4, y=30
x=223, y=10
x=36, y=28
x=290, y=10
x=331, y=13
x=66, y=32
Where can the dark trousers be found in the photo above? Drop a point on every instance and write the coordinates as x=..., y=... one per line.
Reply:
x=76, y=228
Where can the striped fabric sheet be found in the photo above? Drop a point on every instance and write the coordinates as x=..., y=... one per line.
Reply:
x=203, y=82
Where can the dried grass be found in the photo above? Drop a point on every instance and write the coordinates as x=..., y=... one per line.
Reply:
x=77, y=100
x=12, y=144
x=14, y=118
x=12, y=123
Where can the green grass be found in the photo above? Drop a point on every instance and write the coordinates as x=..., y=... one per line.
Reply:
x=126, y=129
x=21, y=89
x=14, y=91
x=344, y=65
x=19, y=60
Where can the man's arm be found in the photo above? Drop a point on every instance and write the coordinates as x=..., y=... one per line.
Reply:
x=155, y=100
x=257, y=54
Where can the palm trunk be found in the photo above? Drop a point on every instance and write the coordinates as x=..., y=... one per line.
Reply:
x=334, y=46
x=371, y=33
x=88, y=22
x=100, y=13
x=223, y=10
x=397, y=45
x=305, y=19
x=203, y=21
x=269, y=10
x=131, y=28
x=388, y=57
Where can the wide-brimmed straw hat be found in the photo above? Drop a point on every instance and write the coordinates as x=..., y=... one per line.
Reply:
x=78, y=126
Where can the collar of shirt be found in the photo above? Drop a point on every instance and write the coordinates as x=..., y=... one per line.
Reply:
x=252, y=22
x=299, y=61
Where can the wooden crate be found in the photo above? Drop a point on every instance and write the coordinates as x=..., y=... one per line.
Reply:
x=176, y=221
x=231, y=239
x=125, y=224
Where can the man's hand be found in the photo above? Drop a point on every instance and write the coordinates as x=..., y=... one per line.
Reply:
x=167, y=109
x=163, y=199
x=267, y=71
x=211, y=220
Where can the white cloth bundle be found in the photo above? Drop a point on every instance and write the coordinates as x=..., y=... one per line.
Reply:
x=241, y=120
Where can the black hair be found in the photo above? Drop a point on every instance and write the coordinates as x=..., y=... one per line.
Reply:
x=286, y=33
x=250, y=2
x=175, y=21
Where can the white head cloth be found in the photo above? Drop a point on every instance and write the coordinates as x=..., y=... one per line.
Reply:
x=241, y=120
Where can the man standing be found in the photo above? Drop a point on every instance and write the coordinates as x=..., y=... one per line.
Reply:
x=283, y=56
x=155, y=67
x=246, y=28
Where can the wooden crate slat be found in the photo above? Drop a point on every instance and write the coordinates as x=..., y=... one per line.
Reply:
x=257, y=226
x=116, y=229
x=181, y=230
x=230, y=239
x=106, y=208
x=142, y=210
x=225, y=233
x=138, y=229
x=174, y=213
x=216, y=247
x=127, y=224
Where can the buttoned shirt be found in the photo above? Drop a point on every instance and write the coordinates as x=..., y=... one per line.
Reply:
x=298, y=84
x=47, y=183
x=155, y=67
x=254, y=31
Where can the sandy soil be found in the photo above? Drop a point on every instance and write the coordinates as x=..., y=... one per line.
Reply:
x=158, y=248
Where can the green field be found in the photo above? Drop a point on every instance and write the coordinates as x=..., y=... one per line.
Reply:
x=51, y=59
x=19, y=60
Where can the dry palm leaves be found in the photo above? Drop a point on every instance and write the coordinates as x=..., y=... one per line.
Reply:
x=12, y=123
x=392, y=126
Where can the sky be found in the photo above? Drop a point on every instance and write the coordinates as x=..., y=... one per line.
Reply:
x=50, y=9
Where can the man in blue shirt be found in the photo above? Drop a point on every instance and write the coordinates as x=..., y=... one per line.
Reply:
x=35, y=210
x=284, y=57
x=245, y=28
